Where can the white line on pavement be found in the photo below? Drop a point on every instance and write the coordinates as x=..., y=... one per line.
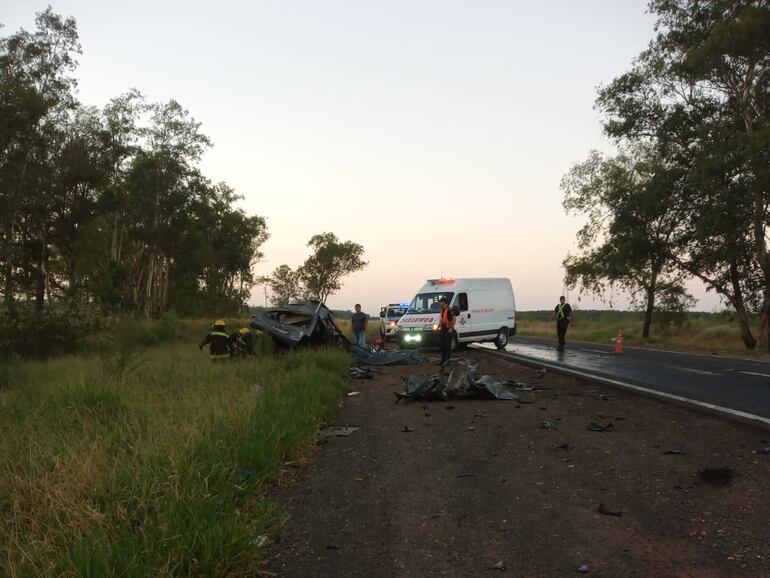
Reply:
x=754, y=373
x=642, y=390
x=698, y=371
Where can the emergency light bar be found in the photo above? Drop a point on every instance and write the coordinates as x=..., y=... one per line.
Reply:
x=442, y=281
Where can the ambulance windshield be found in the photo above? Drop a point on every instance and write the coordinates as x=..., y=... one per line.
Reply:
x=428, y=302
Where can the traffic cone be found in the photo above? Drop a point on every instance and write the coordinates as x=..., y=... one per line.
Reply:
x=619, y=343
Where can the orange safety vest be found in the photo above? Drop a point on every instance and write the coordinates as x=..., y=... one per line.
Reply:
x=446, y=321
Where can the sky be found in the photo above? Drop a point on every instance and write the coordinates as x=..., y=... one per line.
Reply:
x=433, y=133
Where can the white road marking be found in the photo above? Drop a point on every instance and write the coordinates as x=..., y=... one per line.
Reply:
x=596, y=351
x=643, y=390
x=754, y=373
x=698, y=371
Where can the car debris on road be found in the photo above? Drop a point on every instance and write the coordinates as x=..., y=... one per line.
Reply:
x=461, y=382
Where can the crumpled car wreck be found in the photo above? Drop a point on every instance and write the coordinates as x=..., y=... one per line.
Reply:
x=300, y=324
x=310, y=323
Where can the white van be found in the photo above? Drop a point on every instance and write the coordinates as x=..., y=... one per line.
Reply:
x=485, y=310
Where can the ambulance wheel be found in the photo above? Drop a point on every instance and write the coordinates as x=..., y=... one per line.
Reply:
x=454, y=343
x=502, y=338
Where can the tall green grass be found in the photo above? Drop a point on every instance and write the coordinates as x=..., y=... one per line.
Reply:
x=154, y=463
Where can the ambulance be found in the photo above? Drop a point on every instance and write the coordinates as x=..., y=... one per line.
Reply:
x=484, y=308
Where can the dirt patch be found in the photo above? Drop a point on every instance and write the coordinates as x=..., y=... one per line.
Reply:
x=489, y=488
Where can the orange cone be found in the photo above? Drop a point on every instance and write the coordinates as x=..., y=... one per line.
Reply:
x=619, y=343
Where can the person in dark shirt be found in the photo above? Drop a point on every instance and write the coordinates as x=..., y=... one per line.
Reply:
x=359, y=322
x=243, y=341
x=563, y=314
x=218, y=341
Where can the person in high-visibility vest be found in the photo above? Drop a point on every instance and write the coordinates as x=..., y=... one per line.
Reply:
x=563, y=314
x=446, y=327
x=218, y=341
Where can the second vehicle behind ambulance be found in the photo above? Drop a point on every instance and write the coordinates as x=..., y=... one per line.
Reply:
x=485, y=310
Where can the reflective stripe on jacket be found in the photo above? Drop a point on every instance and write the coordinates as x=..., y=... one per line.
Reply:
x=219, y=344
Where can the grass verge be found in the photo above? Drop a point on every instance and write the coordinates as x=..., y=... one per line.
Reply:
x=154, y=463
x=708, y=334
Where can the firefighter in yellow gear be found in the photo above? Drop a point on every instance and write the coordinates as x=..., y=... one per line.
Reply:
x=218, y=341
x=243, y=341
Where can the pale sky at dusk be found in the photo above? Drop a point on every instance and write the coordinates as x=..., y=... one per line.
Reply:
x=434, y=133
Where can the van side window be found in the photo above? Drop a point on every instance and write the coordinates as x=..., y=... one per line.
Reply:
x=462, y=301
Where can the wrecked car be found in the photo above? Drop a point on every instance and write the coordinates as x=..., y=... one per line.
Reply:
x=308, y=323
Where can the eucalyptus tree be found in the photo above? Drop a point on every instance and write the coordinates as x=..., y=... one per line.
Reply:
x=701, y=94
x=632, y=216
x=322, y=272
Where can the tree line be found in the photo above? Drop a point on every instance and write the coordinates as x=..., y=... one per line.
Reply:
x=106, y=207
x=105, y=210
x=686, y=195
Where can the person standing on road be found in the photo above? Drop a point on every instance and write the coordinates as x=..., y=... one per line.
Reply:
x=359, y=323
x=563, y=314
x=446, y=328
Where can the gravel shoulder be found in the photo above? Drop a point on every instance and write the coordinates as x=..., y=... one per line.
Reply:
x=463, y=488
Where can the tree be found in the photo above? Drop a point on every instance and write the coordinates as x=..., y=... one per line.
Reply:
x=36, y=94
x=331, y=260
x=285, y=285
x=700, y=93
x=632, y=216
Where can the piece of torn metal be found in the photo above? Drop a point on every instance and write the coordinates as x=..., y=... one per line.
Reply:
x=300, y=324
x=366, y=356
x=356, y=372
x=461, y=382
x=600, y=427
x=602, y=509
x=330, y=431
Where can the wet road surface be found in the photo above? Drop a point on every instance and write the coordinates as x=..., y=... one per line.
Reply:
x=737, y=384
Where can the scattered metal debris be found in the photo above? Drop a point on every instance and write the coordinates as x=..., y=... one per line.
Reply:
x=366, y=356
x=356, y=372
x=595, y=426
x=763, y=451
x=329, y=431
x=717, y=475
x=499, y=566
x=465, y=475
x=407, y=429
x=352, y=393
x=583, y=569
x=602, y=509
x=548, y=424
x=461, y=382
x=674, y=452
x=260, y=541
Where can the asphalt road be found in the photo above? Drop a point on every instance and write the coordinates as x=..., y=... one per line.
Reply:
x=737, y=384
